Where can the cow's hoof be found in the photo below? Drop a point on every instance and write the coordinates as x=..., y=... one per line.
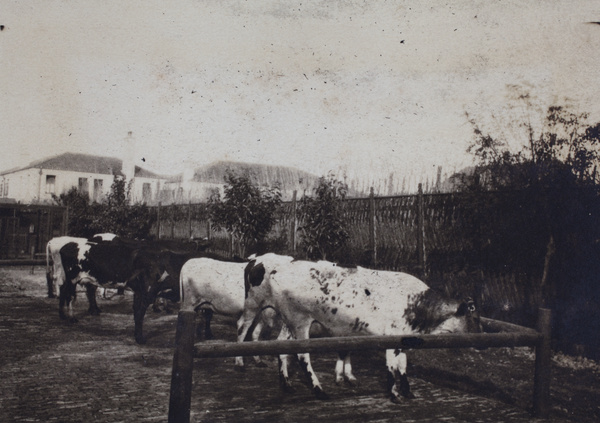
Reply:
x=62, y=316
x=261, y=364
x=353, y=382
x=288, y=389
x=156, y=309
x=240, y=369
x=408, y=395
x=320, y=395
x=73, y=320
x=94, y=312
x=140, y=341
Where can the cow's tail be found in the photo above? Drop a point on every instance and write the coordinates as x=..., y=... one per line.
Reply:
x=181, y=276
x=48, y=258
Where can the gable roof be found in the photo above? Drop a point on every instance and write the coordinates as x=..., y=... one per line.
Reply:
x=86, y=163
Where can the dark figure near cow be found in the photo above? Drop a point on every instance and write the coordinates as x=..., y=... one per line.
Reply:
x=149, y=268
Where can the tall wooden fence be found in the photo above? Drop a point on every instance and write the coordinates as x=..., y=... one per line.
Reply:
x=26, y=229
x=418, y=234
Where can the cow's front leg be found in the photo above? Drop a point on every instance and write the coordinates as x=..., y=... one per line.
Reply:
x=140, y=304
x=90, y=291
x=397, y=379
x=243, y=325
x=343, y=370
x=66, y=298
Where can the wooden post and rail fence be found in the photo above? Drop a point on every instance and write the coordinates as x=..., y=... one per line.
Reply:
x=499, y=334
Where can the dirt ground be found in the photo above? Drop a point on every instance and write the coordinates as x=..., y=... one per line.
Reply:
x=52, y=371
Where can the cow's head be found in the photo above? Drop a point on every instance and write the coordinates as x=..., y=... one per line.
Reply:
x=468, y=315
x=430, y=312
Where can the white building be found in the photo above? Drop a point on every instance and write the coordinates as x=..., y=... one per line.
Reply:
x=37, y=182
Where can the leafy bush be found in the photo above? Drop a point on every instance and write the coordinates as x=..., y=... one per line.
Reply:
x=247, y=212
x=323, y=227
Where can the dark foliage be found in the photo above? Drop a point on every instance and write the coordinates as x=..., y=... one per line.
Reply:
x=538, y=211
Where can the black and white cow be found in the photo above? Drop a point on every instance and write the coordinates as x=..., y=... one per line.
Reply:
x=352, y=302
x=55, y=275
x=149, y=268
x=142, y=267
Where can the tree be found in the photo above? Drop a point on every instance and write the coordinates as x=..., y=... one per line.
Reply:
x=115, y=214
x=247, y=211
x=538, y=209
x=323, y=226
x=80, y=212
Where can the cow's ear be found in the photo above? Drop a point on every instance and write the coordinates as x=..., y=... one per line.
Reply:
x=256, y=274
x=466, y=307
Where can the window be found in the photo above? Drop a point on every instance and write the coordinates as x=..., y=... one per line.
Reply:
x=6, y=188
x=2, y=189
x=50, y=184
x=98, y=189
x=146, y=192
x=83, y=185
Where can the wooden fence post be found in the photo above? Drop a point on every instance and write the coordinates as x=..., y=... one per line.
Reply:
x=372, y=226
x=158, y=220
x=422, y=257
x=183, y=365
x=294, y=223
x=189, y=220
x=66, y=221
x=541, y=384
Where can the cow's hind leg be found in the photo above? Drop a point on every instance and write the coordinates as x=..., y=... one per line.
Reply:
x=302, y=332
x=397, y=379
x=50, y=284
x=90, y=292
x=207, y=313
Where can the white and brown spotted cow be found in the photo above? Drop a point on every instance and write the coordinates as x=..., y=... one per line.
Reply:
x=352, y=302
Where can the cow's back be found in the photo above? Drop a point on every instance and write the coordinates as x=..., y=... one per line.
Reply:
x=348, y=301
x=215, y=282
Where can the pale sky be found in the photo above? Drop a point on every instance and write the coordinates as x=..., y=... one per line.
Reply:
x=368, y=87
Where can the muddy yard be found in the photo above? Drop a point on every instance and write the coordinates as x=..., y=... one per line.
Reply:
x=52, y=371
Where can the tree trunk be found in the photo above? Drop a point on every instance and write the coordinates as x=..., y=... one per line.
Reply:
x=547, y=292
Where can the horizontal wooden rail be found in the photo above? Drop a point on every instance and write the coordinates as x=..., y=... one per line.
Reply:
x=23, y=262
x=490, y=325
x=356, y=343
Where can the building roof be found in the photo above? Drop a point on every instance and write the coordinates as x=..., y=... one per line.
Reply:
x=85, y=163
